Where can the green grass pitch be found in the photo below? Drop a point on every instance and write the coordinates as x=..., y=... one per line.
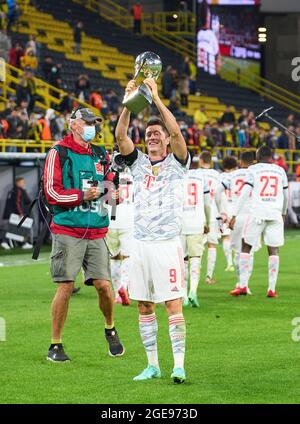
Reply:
x=239, y=350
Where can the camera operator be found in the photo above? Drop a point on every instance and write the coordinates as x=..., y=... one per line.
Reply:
x=79, y=225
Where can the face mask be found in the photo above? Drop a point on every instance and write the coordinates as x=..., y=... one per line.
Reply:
x=88, y=134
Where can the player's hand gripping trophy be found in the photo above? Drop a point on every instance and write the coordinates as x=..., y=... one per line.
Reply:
x=147, y=65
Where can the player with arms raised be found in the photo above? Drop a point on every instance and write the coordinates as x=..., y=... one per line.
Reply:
x=157, y=269
x=268, y=185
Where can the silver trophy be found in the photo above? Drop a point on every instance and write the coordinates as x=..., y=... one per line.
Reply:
x=147, y=65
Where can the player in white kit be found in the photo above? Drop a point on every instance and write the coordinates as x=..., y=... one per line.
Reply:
x=229, y=165
x=234, y=183
x=212, y=180
x=157, y=268
x=196, y=213
x=119, y=238
x=268, y=185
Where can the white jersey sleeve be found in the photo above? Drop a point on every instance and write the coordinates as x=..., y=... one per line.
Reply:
x=212, y=179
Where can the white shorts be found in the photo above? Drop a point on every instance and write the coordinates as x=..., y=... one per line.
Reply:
x=193, y=245
x=214, y=232
x=156, y=271
x=237, y=235
x=272, y=232
x=119, y=242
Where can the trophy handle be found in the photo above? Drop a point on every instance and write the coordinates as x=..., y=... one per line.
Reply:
x=138, y=70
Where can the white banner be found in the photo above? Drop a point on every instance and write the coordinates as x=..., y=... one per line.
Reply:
x=294, y=202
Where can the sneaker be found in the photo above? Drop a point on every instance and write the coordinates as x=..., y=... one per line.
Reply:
x=75, y=290
x=193, y=300
x=239, y=291
x=210, y=280
x=5, y=245
x=178, y=375
x=272, y=293
x=56, y=353
x=237, y=286
x=148, y=373
x=229, y=268
x=115, y=346
x=118, y=299
x=27, y=246
x=124, y=296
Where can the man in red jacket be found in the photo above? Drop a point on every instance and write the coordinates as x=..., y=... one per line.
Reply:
x=137, y=11
x=79, y=226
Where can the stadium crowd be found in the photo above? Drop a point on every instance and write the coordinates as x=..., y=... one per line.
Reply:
x=22, y=119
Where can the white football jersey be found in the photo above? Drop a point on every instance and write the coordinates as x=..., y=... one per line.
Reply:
x=212, y=179
x=124, y=212
x=158, y=197
x=193, y=211
x=268, y=181
x=233, y=183
x=226, y=176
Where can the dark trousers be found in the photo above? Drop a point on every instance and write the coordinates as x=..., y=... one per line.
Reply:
x=137, y=26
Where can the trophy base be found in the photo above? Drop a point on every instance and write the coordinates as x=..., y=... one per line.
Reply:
x=138, y=100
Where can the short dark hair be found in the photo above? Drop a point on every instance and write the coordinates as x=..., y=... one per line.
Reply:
x=205, y=156
x=18, y=179
x=229, y=162
x=157, y=121
x=247, y=157
x=263, y=153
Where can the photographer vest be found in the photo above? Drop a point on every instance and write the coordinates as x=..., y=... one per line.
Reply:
x=82, y=172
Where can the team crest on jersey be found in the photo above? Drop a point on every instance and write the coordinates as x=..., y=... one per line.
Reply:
x=99, y=168
x=155, y=170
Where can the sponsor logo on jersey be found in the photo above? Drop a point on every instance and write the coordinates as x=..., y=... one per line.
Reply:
x=99, y=168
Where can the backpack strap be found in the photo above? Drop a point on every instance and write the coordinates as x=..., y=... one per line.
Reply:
x=99, y=151
x=42, y=234
x=63, y=157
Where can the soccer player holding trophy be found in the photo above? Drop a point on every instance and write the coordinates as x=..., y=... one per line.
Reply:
x=157, y=268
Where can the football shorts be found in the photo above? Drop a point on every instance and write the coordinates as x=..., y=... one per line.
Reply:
x=156, y=271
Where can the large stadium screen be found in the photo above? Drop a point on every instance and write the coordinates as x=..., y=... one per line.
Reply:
x=220, y=33
x=235, y=2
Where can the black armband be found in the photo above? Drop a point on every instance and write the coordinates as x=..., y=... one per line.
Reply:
x=131, y=158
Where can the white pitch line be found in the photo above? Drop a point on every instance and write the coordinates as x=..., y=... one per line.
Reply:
x=18, y=260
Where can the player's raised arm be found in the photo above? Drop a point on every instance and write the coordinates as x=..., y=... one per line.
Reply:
x=177, y=141
x=125, y=144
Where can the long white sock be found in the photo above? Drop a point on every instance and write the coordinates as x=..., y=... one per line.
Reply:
x=237, y=266
x=211, y=261
x=245, y=261
x=194, y=275
x=124, y=273
x=186, y=277
x=273, y=271
x=251, y=264
x=148, y=331
x=227, y=251
x=115, y=265
x=177, y=333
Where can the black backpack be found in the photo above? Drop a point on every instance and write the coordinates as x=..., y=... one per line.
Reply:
x=45, y=208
